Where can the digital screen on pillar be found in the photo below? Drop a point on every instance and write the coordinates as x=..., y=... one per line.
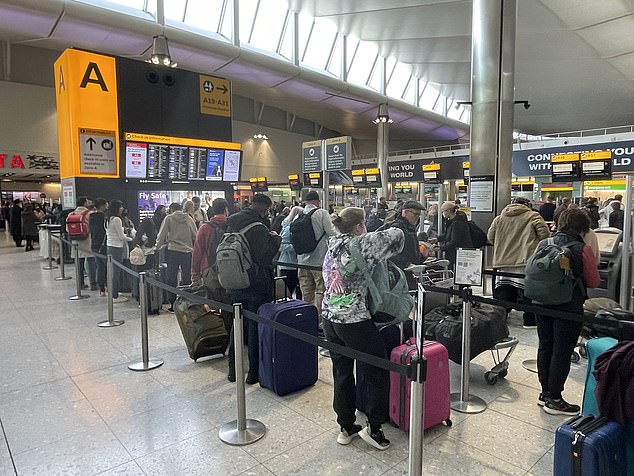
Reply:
x=172, y=158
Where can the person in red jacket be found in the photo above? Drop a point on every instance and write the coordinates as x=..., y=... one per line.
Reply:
x=207, y=239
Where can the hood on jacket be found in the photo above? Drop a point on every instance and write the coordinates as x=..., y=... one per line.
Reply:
x=245, y=217
x=219, y=220
x=179, y=217
x=515, y=209
x=337, y=242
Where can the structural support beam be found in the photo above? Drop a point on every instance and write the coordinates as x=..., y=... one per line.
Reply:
x=383, y=147
x=492, y=84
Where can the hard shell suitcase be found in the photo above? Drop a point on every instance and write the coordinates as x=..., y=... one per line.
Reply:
x=437, y=395
x=590, y=446
x=203, y=330
x=287, y=364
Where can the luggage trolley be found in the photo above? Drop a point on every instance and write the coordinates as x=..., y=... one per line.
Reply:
x=436, y=273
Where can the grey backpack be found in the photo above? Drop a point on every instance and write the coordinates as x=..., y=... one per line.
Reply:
x=233, y=260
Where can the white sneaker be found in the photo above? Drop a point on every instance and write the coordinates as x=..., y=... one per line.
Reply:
x=345, y=437
x=120, y=299
x=102, y=294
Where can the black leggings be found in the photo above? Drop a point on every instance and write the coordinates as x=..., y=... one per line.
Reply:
x=365, y=337
x=292, y=282
x=557, y=340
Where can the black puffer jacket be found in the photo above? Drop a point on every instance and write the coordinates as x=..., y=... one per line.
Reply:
x=410, y=254
x=456, y=236
x=263, y=245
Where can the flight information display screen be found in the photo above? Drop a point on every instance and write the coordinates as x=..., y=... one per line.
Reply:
x=146, y=159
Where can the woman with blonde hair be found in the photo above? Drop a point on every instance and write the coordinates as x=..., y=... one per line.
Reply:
x=347, y=322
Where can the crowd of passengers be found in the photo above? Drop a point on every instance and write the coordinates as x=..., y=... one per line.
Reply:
x=183, y=234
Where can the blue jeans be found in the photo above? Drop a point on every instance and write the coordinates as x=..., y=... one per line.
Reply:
x=250, y=302
x=117, y=255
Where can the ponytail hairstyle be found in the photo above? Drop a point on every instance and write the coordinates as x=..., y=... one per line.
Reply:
x=348, y=218
x=114, y=209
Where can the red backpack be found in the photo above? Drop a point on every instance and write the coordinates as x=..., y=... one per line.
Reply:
x=77, y=225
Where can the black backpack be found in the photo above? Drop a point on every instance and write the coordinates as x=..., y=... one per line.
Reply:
x=478, y=237
x=303, y=235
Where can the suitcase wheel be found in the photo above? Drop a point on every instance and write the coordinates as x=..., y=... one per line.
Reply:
x=574, y=358
x=491, y=378
x=448, y=422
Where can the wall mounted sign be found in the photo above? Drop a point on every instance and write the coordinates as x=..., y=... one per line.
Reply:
x=358, y=177
x=564, y=167
x=373, y=177
x=481, y=192
x=97, y=152
x=466, y=166
x=596, y=165
x=338, y=153
x=294, y=182
x=258, y=184
x=215, y=96
x=431, y=173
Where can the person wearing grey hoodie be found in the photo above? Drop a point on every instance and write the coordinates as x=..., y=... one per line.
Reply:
x=178, y=231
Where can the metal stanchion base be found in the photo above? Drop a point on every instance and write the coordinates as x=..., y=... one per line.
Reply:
x=79, y=298
x=530, y=365
x=60, y=278
x=230, y=434
x=110, y=323
x=324, y=352
x=473, y=404
x=141, y=367
x=50, y=266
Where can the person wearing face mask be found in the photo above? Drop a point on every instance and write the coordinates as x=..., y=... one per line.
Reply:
x=407, y=222
x=347, y=322
x=457, y=234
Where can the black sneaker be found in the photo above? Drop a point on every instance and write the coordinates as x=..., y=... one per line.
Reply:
x=231, y=375
x=541, y=400
x=345, y=437
x=170, y=310
x=560, y=407
x=376, y=439
x=530, y=322
x=252, y=378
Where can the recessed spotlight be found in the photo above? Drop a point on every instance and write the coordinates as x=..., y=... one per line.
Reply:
x=260, y=136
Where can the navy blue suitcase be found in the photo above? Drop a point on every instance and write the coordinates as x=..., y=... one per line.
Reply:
x=287, y=364
x=590, y=446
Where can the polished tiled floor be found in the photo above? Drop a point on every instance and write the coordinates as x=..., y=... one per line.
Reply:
x=69, y=404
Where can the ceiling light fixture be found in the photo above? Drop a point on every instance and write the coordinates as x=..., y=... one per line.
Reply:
x=260, y=136
x=161, y=52
x=383, y=116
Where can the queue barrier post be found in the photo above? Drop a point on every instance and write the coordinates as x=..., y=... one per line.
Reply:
x=146, y=363
x=242, y=431
x=417, y=393
x=111, y=322
x=463, y=402
x=50, y=251
x=62, y=265
x=78, y=277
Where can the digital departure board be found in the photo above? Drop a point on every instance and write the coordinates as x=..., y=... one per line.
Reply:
x=179, y=162
x=157, y=161
x=197, y=163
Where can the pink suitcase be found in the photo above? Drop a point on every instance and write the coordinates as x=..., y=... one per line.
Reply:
x=437, y=400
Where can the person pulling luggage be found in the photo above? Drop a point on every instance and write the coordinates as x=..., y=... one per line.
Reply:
x=347, y=322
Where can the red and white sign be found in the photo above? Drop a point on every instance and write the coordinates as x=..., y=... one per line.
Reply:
x=135, y=159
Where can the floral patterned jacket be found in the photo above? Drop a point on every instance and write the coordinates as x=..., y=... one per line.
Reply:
x=346, y=286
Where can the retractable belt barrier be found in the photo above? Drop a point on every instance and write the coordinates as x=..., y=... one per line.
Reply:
x=298, y=266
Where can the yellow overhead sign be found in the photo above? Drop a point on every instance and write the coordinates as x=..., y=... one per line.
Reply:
x=431, y=167
x=215, y=96
x=564, y=158
x=466, y=165
x=357, y=172
x=156, y=139
x=601, y=155
x=373, y=171
x=314, y=175
x=87, y=114
x=293, y=177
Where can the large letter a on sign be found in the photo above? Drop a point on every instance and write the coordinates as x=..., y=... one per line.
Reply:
x=90, y=69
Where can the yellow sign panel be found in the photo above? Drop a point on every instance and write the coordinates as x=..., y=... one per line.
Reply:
x=253, y=179
x=87, y=114
x=431, y=167
x=601, y=155
x=314, y=175
x=603, y=183
x=308, y=145
x=373, y=171
x=357, y=172
x=215, y=96
x=156, y=139
x=466, y=165
x=337, y=140
x=293, y=177
x=564, y=158
x=261, y=179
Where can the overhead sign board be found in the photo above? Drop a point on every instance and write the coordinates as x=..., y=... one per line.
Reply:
x=97, y=152
x=431, y=173
x=564, y=167
x=338, y=153
x=314, y=180
x=258, y=184
x=294, y=183
x=596, y=165
x=215, y=96
x=311, y=156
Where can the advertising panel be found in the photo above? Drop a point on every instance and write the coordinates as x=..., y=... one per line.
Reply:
x=215, y=164
x=135, y=160
x=233, y=158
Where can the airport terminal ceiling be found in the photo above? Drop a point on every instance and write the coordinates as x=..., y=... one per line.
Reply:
x=574, y=63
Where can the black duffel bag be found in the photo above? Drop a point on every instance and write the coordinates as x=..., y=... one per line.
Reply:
x=488, y=327
x=615, y=323
x=436, y=315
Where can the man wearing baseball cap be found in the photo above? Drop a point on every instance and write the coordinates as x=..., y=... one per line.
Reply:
x=407, y=222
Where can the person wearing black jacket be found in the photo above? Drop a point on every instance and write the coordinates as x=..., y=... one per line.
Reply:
x=264, y=245
x=407, y=222
x=592, y=209
x=16, y=222
x=97, y=226
x=457, y=233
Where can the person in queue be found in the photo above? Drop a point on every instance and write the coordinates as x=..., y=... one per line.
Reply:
x=264, y=245
x=207, y=239
x=592, y=209
x=457, y=234
x=97, y=226
x=148, y=232
x=117, y=245
x=311, y=281
x=407, y=222
x=558, y=337
x=617, y=216
x=178, y=232
x=347, y=322
x=84, y=247
x=288, y=255
x=15, y=222
x=198, y=214
x=29, y=229
x=547, y=209
x=515, y=234
x=565, y=203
